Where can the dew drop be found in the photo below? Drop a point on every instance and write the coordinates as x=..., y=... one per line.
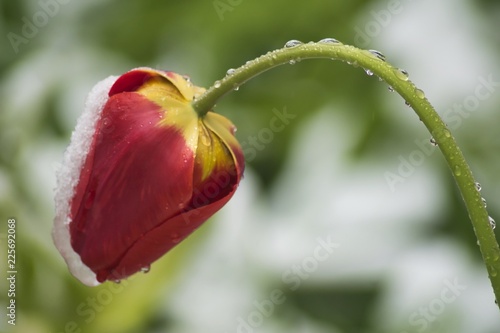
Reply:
x=292, y=62
x=217, y=84
x=484, y=202
x=401, y=74
x=420, y=93
x=433, y=142
x=368, y=72
x=236, y=88
x=175, y=238
x=230, y=71
x=407, y=103
x=458, y=171
x=447, y=133
x=493, y=224
x=478, y=186
x=391, y=89
x=146, y=269
x=117, y=281
x=377, y=54
x=329, y=41
x=293, y=43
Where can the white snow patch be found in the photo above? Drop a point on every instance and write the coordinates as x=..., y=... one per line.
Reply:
x=68, y=176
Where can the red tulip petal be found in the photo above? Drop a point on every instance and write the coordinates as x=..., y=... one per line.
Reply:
x=154, y=244
x=138, y=176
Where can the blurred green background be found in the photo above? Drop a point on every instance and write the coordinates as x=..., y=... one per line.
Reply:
x=405, y=256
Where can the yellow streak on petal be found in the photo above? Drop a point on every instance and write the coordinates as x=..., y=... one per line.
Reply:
x=224, y=129
x=177, y=111
x=212, y=153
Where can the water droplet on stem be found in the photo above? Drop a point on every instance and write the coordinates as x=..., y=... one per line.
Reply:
x=329, y=41
x=493, y=224
x=377, y=54
x=420, y=93
x=293, y=43
x=401, y=74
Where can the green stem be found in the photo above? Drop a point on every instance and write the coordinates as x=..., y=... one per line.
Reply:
x=399, y=81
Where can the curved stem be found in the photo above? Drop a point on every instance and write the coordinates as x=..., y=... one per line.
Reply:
x=398, y=80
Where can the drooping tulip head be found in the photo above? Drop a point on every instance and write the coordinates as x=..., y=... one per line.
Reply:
x=142, y=172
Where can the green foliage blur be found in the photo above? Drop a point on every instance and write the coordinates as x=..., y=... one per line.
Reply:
x=54, y=51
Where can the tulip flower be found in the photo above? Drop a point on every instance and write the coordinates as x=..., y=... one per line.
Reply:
x=142, y=172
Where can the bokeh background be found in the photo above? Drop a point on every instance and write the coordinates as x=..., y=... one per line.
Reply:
x=403, y=256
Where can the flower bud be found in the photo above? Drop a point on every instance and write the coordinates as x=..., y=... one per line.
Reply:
x=142, y=172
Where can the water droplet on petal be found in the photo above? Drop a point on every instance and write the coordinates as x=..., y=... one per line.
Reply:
x=493, y=224
x=230, y=71
x=293, y=43
x=478, y=186
x=401, y=74
x=420, y=93
x=146, y=269
x=117, y=281
x=484, y=202
x=329, y=41
x=377, y=54
x=217, y=84
x=368, y=72
x=175, y=238
x=433, y=142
